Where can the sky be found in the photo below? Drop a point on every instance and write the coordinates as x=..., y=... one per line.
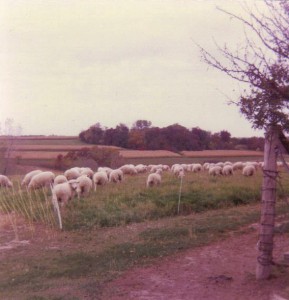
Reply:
x=68, y=64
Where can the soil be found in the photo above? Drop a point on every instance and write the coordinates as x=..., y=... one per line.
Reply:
x=223, y=270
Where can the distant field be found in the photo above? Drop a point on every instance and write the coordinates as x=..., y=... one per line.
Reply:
x=41, y=151
x=220, y=153
x=147, y=153
x=36, y=154
x=44, y=140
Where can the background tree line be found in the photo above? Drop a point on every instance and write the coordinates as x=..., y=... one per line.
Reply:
x=143, y=136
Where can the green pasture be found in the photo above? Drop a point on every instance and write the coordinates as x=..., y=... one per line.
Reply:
x=131, y=201
x=97, y=245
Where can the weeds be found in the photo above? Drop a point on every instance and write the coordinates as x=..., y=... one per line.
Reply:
x=34, y=207
x=132, y=202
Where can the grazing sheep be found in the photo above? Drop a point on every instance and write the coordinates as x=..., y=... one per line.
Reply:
x=105, y=169
x=154, y=179
x=116, y=176
x=195, y=168
x=238, y=165
x=5, y=182
x=206, y=166
x=249, y=170
x=84, y=185
x=215, y=170
x=99, y=178
x=141, y=168
x=60, y=179
x=227, y=170
x=28, y=177
x=72, y=173
x=43, y=179
x=177, y=169
x=251, y=163
x=220, y=164
x=166, y=167
x=87, y=171
x=129, y=169
x=181, y=174
x=65, y=191
x=154, y=168
x=174, y=166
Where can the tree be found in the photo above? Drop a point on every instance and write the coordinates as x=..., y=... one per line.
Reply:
x=142, y=124
x=262, y=63
x=178, y=137
x=121, y=135
x=10, y=132
x=201, y=139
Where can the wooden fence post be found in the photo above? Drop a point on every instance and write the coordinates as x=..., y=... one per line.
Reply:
x=267, y=222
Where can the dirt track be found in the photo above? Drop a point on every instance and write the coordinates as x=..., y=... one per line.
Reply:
x=222, y=271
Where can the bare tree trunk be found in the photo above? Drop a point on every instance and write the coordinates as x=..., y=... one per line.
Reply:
x=7, y=154
x=265, y=255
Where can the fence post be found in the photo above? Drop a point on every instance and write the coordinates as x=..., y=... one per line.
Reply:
x=267, y=222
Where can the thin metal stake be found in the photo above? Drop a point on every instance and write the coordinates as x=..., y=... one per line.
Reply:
x=180, y=192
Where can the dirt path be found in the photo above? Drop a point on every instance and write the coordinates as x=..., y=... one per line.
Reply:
x=224, y=270
x=220, y=271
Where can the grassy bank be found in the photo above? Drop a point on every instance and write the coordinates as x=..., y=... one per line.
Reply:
x=131, y=202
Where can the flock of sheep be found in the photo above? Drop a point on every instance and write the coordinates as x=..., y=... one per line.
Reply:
x=79, y=182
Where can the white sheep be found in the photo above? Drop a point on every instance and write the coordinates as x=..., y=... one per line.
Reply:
x=220, y=164
x=43, y=179
x=154, y=168
x=129, y=169
x=72, y=173
x=177, y=170
x=227, y=170
x=116, y=176
x=154, y=179
x=174, y=166
x=63, y=192
x=215, y=170
x=166, y=167
x=195, y=168
x=141, y=168
x=181, y=174
x=249, y=170
x=60, y=179
x=84, y=185
x=255, y=164
x=238, y=165
x=99, y=178
x=5, y=181
x=105, y=169
x=206, y=166
x=87, y=171
x=28, y=177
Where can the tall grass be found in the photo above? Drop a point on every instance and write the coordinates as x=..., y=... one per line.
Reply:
x=131, y=201
x=34, y=206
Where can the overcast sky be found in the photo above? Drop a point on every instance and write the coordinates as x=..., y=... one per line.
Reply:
x=66, y=65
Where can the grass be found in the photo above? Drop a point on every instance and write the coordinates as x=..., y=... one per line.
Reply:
x=35, y=275
x=131, y=202
x=34, y=206
x=211, y=209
